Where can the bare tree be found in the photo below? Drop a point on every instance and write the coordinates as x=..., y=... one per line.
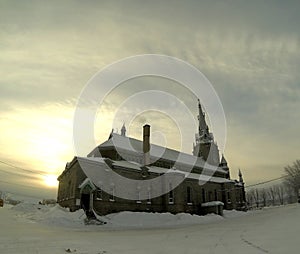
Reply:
x=293, y=175
x=255, y=196
x=290, y=194
x=250, y=198
x=264, y=197
x=279, y=190
x=272, y=194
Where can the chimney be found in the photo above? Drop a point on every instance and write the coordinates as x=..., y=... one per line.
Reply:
x=146, y=144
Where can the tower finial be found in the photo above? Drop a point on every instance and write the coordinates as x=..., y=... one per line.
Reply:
x=123, y=130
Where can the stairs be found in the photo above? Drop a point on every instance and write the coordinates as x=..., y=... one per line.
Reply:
x=91, y=218
x=90, y=215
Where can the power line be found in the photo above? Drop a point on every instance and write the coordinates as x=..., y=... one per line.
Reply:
x=39, y=173
x=21, y=174
x=22, y=185
x=42, y=173
x=268, y=181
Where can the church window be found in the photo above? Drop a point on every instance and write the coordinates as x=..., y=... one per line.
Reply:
x=210, y=196
x=112, y=194
x=203, y=196
x=189, y=195
x=228, y=197
x=171, y=194
x=149, y=196
x=138, y=195
x=99, y=194
x=70, y=189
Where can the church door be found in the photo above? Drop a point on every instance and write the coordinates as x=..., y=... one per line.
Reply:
x=87, y=198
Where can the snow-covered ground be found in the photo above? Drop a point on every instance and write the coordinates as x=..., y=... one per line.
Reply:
x=28, y=228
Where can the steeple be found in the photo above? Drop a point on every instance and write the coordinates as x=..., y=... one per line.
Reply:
x=205, y=146
x=241, y=180
x=201, y=118
x=123, y=130
x=203, y=135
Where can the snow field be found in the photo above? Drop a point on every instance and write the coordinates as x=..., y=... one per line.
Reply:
x=27, y=229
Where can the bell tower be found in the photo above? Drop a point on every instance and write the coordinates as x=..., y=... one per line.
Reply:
x=205, y=145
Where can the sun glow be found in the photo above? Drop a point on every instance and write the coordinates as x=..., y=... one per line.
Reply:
x=50, y=180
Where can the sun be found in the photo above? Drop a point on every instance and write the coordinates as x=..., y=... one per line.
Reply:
x=50, y=180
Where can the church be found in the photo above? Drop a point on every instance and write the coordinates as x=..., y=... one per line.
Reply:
x=158, y=179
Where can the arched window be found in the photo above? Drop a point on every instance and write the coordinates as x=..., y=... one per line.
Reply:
x=112, y=194
x=171, y=194
x=138, y=192
x=99, y=194
x=189, y=195
x=203, y=196
x=149, y=196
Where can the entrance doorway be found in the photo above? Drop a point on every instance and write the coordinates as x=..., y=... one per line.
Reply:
x=86, y=196
x=87, y=189
x=85, y=201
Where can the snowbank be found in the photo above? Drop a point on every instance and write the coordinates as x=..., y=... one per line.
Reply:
x=234, y=213
x=125, y=220
x=58, y=216
x=51, y=215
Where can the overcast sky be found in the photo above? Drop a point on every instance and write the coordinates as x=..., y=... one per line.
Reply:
x=249, y=50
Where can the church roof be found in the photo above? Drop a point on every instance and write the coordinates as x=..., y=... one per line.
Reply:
x=92, y=167
x=135, y=147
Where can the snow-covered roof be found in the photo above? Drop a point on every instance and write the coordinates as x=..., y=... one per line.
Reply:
x=92, y=168
x=87, y=181
x=195, y=176
x=127, y=164
x=135, y=147
x=239, y=184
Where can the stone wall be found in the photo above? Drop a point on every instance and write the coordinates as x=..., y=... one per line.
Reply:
x=69, y=195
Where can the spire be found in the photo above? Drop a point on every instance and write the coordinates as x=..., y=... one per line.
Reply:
x=201, y=118
x=123, y=130
x=223, y=160
x=241, y=180
x=203, y=131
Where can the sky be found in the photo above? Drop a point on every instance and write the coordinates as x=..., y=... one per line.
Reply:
x=49, y=50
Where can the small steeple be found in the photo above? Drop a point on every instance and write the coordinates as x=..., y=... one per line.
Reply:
x=224, y=165
x=223, y=161
x=241, y=180
x=123, y=130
